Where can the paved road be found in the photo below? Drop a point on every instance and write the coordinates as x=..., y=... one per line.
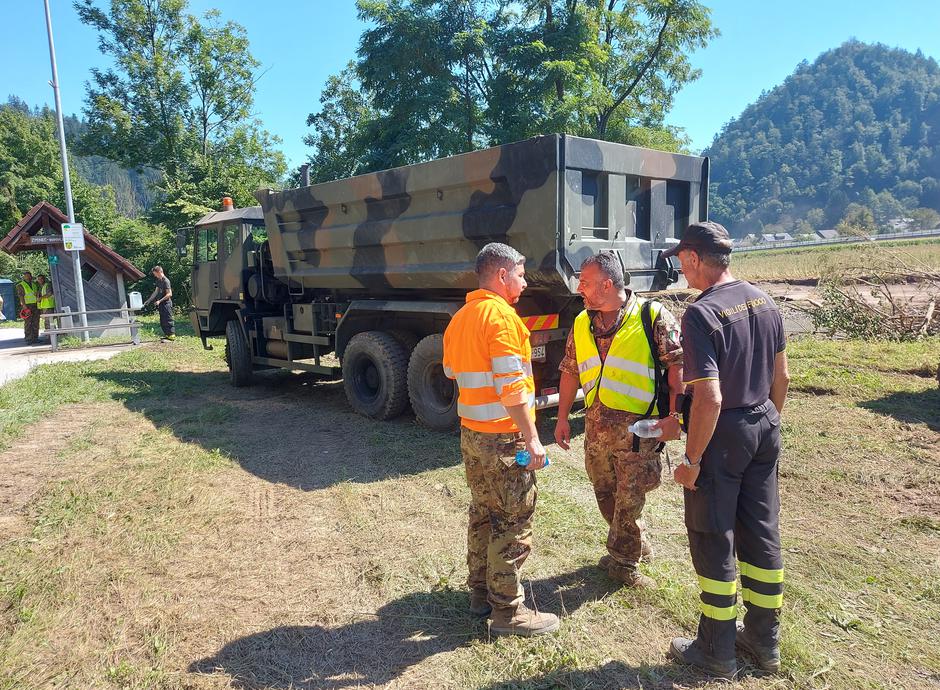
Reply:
x=17, y=358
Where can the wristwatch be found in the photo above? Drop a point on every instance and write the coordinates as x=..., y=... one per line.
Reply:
x=675, y=415
x=689, y=463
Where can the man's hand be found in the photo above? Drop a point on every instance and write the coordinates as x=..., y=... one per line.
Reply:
x=563, y=433
x=536, y=454
x=687, y=476
x=670, y=427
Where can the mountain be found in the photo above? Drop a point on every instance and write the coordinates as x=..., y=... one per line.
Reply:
x=854, y=135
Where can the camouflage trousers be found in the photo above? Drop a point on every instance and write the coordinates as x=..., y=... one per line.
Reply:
x=499, y=534
x=31, y=325
x=621, y=480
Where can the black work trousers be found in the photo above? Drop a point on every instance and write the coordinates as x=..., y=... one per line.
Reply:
x=735, y=510
x=166, y=317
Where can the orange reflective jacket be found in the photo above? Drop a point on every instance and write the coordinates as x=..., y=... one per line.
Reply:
x=487, y=351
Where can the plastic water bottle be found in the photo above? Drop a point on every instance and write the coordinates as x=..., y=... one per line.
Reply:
x=523, y=458
x=644, y=428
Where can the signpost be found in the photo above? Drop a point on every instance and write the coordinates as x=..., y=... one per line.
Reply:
x=73, y=236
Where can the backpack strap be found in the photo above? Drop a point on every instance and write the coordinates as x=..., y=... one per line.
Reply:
x=646, y=316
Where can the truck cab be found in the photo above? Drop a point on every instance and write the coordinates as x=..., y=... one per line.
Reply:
x=223, y=247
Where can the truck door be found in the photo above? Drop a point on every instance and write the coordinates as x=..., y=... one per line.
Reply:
x=206, y=268
x=231, y=261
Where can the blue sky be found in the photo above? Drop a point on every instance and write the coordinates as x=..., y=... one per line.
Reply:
x=300, y=43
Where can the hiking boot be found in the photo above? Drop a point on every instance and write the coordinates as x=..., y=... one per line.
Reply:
x=686, y=651
x=171, y=337
x=522, y=621
x=767, y=658
x=479, y=606
x=631, y=577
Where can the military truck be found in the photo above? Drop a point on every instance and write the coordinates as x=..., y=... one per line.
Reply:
x=358, y=278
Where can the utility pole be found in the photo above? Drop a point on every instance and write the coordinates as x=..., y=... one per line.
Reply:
x=76, y=258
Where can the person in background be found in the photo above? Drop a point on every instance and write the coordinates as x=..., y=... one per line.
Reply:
x=163, y=294
x=46, y=298
x=27, y=294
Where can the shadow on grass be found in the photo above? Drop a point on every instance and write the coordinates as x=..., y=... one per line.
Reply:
x=918, y=408
x=373, y=651
x=287, y=428
x=292, y=429
x=613, y=674
x=380, y=648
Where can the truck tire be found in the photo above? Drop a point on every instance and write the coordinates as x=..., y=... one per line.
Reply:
x=433, y=395
x=408, y=339
x=238, y=355
x=375, y=375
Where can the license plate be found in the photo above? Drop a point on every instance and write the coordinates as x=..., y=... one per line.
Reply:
x=538, y=353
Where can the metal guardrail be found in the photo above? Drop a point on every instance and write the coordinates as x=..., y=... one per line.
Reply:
x=841, y=240
x=130, y=321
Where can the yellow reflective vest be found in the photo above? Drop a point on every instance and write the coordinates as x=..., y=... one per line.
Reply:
x=29, y=292
x=626, y=379
x=46, y=298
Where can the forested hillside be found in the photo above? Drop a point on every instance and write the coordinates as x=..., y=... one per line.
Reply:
x=853, y=137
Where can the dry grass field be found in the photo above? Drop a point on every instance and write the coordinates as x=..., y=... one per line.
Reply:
x=160, y=529
x=812, y=263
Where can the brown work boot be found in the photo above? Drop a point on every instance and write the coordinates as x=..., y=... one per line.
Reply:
x=767, y=658
x=686, y=651
x=522, y=621
x=479, y=606
x=629, y=576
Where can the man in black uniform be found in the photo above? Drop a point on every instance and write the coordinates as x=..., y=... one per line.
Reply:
x=736, y=365
x=163, y=293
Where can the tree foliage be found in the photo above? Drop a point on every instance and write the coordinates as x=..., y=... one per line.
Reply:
x=178, y=100
x=439, y=77
x=858, y=128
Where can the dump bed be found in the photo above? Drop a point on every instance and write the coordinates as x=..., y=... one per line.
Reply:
x=417, y=229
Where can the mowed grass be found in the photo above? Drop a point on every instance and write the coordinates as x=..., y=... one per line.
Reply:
x=820, y=261
x=185, y=534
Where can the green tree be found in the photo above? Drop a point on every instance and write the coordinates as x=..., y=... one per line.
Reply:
x=925, y=218
x=440, y=77
x=338, y=136
x=178, y=99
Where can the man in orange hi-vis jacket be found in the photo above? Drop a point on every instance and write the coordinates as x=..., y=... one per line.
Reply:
x=487, y=351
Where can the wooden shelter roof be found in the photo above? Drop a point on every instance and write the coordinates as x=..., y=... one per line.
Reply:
x=46, y=216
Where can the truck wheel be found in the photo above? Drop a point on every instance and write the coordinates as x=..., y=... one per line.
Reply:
x=375, y=375
x=238, y=355
x=408, y=339
x=433, y=395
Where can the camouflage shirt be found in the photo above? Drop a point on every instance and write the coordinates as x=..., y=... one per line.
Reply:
x=666, y=332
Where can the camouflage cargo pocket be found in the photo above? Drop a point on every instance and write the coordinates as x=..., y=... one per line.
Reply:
x=517, y=488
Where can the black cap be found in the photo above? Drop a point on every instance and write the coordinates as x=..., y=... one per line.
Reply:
x=706, y=237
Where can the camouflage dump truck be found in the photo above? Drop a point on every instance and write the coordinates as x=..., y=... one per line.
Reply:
x=368, y=271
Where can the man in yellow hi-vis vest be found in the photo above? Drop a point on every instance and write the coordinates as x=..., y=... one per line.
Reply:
x=608, y=355
x=46, y=301
x=27, y=294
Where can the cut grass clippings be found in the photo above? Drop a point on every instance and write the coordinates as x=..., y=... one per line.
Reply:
x=186, y=534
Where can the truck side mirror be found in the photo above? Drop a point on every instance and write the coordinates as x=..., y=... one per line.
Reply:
x=182, y=241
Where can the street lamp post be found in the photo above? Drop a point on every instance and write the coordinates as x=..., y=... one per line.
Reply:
x=76, y=258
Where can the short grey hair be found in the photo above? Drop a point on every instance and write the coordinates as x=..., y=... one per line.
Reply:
x=495, y=256
x=609, y=264
x=720, y=260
